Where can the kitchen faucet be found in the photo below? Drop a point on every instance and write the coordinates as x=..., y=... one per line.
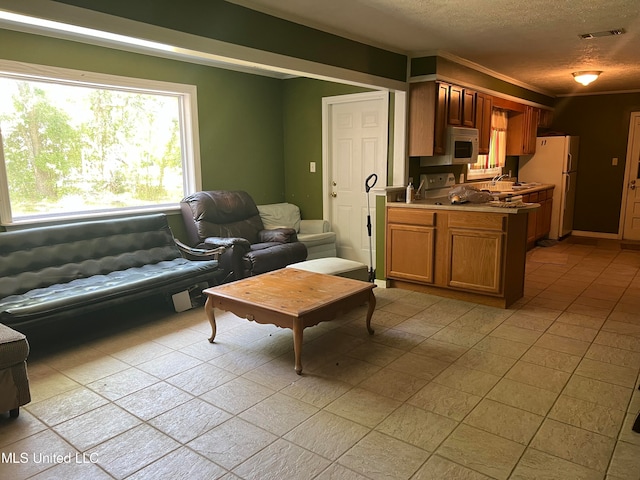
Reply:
x=497, y=178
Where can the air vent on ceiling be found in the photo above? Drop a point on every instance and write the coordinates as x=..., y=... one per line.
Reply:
x=604, y=33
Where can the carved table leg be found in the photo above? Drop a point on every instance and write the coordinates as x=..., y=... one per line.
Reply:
x=208, y=309
x=372, y=307
x=297, y=344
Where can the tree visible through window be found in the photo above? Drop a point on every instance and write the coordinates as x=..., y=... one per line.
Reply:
x=73, y=148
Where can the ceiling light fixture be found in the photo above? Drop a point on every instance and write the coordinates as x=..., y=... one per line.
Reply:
x=585, y=78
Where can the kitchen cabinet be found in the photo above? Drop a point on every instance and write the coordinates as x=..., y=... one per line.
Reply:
x=457, y=253
x=411, y=234
x=545, y=118
x=539, y=221
x=484, y=105
x=433, y=106
x=522, y=130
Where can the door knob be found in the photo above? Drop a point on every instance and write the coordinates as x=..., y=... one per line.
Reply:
x=334, y=183
x=334, y=194
x=633, y=185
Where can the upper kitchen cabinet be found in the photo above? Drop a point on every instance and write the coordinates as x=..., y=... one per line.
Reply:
x=484, y=105
x=545, y=118
x=522, y=130
x=428, y=102
x=432, y=107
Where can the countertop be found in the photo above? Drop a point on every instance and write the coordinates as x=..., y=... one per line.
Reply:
x=443, y=203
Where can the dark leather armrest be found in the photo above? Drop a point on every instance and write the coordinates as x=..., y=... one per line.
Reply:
x=215, y=242
x=200, y=253
x=281, y=235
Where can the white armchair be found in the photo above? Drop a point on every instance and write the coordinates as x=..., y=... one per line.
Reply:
x=315, y=234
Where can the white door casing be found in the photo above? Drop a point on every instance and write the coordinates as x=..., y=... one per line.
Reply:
x=356, y=130
x=630, y=211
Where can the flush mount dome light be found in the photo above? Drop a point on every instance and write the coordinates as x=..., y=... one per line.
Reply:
x=585, y=78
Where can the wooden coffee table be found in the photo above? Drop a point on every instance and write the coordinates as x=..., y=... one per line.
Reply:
x=290, y=298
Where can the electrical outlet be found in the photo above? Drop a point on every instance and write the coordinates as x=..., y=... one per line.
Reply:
x=312, y=167
x=614, y=161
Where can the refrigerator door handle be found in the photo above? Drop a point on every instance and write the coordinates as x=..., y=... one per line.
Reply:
x=567, y=184
x=569, y=162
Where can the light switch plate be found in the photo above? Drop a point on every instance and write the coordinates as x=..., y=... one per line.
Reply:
x=312, y=167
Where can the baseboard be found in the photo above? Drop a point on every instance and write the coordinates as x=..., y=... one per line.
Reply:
x=608, y=236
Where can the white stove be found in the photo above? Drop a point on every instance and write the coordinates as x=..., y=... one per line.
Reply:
x=436, y=185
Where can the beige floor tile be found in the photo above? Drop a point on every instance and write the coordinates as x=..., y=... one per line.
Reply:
x=481, y=451
x=535, y=465
x=182, y=463
x=241, y=360
x=132, y=450
x=481, y=319
x=327, y=434
x=73, y=471
x=503, y=420
x=397, y=339
x=574, y=444
x=189, y=420
x=626, y=433
x=122, y=383
x=275, y=374
x=378, y=456
x=607, y=372
x=562, y=344
x=393, y=384
x=278, y=413
x=624, y=463
x=154, y=400
x=345, y=369
x=418, y=427
x=200, y=379
x=575, y=332
x=140, y=353
x=500, y=346
x=486, y=362
x=418, y=326
x=579, y=307
x=470, y=381
x=420, y=366
x=237, y=395
x=94, y=427
x=587, y=415
x=45, y=382
x=375, y=353
x=446, y=401
x=232, y=442
x=615, y=356
x=442, y=469
x=443, y=351
x=458, y=336
x=315, y=390
x=66, y=406
x=516, y=334
x=338, y=472
x=520, y=395
x=532, y=322
x=168, y=365
x=538, y=376
x=616, y=340
x=385, y=318
x=280, y=460
x=400, y=307
x=551, y=359
x=596, y=391
x=12, y=431
x=580, y=320
x=363, y=407
x=621, y=328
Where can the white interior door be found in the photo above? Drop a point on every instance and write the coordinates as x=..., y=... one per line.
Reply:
x=356, y=146
x=631, y=196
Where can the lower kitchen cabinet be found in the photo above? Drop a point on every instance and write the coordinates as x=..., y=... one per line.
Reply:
x=471, y=255
x=539, y=221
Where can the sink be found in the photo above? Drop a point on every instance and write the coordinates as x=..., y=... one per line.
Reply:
x=494, y=187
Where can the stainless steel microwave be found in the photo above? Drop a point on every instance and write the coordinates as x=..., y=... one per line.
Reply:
x=461, y=147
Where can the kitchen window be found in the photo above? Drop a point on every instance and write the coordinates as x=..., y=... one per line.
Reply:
x=490, y=165
x=80, y=144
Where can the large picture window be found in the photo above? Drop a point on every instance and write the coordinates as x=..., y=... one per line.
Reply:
x=93, y=146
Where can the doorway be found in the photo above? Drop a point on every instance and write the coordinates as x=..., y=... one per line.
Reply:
x=355, y=145
x=630, y=212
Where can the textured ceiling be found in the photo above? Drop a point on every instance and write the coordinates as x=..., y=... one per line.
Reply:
x=534, y=41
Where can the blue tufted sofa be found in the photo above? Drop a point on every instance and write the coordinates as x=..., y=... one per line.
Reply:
x=49, y=273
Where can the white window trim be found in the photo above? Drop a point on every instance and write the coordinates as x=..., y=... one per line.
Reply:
x=189, y=120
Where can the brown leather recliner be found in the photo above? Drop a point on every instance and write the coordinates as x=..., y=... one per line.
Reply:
x=231, y=219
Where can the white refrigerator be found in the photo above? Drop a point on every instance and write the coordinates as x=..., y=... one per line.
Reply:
x=555, y=162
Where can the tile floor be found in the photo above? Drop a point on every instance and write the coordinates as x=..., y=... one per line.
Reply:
x=443, y=390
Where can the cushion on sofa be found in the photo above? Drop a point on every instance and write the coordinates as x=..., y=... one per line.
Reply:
x=276, y=215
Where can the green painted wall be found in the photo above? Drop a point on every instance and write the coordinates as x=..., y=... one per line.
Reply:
x=221, y=20
x=240, y=142
x=602, y=123
x=302, y=114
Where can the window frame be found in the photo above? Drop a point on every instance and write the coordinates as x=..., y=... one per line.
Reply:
x=189, y=131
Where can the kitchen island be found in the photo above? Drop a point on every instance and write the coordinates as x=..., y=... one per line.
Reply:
x=473, y=252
